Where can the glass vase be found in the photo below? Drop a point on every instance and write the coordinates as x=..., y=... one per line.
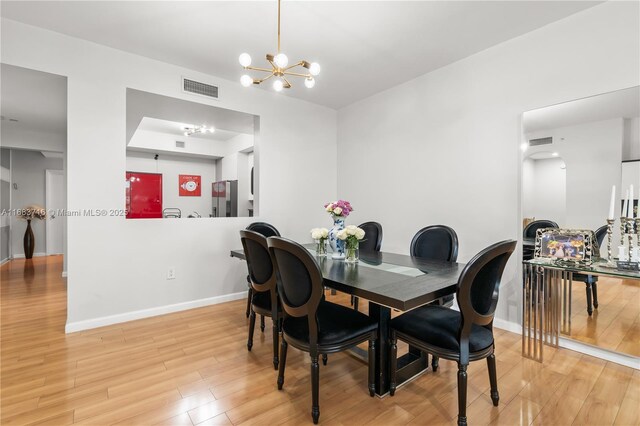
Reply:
x=352, y=254
x=337, y=245
x=321, y=247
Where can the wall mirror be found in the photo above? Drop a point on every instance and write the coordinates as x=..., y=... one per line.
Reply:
x=188, y=160
x=572, y=155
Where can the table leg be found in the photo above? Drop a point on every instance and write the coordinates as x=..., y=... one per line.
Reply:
x=409, y=365
x=382, y=315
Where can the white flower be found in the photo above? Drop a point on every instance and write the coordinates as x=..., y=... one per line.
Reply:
x=337, y=211
x=319, y=233
x=359, y=233
x=330, y=207
x=351, y=229
x=342, y=234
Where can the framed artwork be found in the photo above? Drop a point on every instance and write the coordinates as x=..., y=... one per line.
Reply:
x=566, y=245
x=189, y=186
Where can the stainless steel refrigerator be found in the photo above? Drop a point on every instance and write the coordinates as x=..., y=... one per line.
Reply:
x=225, y=198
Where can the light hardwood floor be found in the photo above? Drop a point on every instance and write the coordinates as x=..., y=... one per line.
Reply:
x=615, y=325
x=192, y=367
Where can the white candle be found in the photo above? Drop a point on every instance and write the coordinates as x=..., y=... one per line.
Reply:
x=630, y=211
x=613, y=203
x=625, y=205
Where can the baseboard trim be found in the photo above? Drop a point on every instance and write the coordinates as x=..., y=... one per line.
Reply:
x=605, y=354
x=576, y=346
x=151, y=312
x=21, y=256
x=3, y=261
x=513, y=327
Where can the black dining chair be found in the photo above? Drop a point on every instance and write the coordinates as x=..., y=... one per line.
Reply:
x=436, y=242
x=529, y=233
x=267, y=230
x=310, y=323
x=591, y=281
x=462, y=336
x=264, y=300
x=371, y=244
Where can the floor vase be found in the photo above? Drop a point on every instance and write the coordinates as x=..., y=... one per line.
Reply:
x=29, y=241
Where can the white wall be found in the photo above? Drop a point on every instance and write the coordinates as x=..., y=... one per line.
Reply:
x=544, y=190
x=631, y=143
x=172, y=166
x=117, y=266
x=22, y=138
x=593, y=155
x=444, y=147
x=28, y=173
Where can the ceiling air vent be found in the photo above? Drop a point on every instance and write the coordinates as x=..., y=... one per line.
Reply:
x=179, y=144
x=541, y=141
x=198, y=88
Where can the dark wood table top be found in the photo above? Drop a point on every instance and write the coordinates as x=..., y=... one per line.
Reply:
x=394, y=280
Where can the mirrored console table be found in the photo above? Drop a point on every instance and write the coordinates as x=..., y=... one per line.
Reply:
x=547, y=301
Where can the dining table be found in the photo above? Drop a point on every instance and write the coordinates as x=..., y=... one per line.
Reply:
x=389, y=281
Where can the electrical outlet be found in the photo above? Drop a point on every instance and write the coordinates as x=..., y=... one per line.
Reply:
x=171, y=273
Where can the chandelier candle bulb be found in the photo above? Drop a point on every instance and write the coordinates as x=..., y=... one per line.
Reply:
x=314, y=68
x=630, y=202
x=246, y=80
x=245, y=60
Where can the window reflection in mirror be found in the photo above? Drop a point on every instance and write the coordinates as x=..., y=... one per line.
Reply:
x=188, y=160
x=572, y=154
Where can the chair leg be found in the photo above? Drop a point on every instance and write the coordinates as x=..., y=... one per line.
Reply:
x=493, y=379
x=372, y=369
x=394, y=363
x=252, y=325
x=594, y=291
x=283, y=362
x=589, y=304
x=315, y=388
x=355, y=303
x=249, y=295
x=462, y=395
x=262, y=323
x=275, y=343
x=434, y=363
x=324, y=359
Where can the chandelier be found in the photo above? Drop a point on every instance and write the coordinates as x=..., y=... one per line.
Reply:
x=279, y=68
x=192, y=130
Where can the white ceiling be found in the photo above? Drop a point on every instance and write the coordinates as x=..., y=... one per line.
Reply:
x=363, y=47
x=38, y=100
x=141, y=105
x=619, y=104
x=176, y=128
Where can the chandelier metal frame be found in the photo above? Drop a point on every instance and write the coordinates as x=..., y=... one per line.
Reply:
x=281, y=70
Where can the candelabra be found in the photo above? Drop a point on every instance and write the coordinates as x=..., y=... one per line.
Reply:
x=630, y=232
x=610, y=223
